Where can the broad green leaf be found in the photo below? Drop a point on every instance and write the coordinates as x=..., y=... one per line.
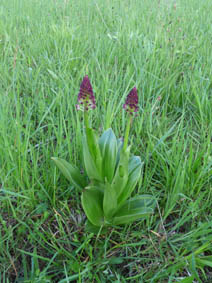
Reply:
x=100, y=186
x=108, y=147
x=134, y=170
x=93, y=146
x=131, y=216
x=92, y=200
x=189, y=279
x=119, y=148
x=134, y=209
x=70, y=172
x=90, y=165
x=95, y=229
x=121, y=176
x=110, y=201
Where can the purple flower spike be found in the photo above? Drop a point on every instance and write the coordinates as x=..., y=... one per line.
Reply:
x=86, y=99
x=131, y=103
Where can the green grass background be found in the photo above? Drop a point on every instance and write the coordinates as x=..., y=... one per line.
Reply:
x=165, y=49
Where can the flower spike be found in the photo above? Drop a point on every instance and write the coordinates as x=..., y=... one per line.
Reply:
x=131, y=103
x=86, y=99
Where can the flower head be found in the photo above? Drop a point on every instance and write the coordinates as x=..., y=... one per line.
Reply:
x=86, y=99
x=131, y=103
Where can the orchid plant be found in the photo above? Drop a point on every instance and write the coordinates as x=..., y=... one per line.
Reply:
x=111, y=173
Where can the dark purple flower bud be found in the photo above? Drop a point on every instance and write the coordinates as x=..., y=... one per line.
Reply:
x=86, y=99
x=131, y=103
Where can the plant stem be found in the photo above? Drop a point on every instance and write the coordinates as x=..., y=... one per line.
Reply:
x=126, y=137
x=86, y=121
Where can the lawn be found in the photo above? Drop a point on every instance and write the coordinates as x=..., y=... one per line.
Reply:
x=164, y=49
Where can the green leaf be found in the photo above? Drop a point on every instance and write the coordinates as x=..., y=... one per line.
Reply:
x=121, y=176
x=90, y=165
x=108, y=147
x=134, y=171
x=119, y=148
x=92, y=200
x=134, y=209
x=70, y=172
x=189, y=279
x=89, y=227
x=93, y=146
x=109, y=202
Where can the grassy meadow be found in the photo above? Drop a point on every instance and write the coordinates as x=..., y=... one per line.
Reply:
x=165, y=49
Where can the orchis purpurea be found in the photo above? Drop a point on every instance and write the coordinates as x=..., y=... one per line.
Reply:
x=131, y=103
x=86, y=99
x=111, y=172
x=131, y=106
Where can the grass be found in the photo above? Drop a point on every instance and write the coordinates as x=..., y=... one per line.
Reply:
x=165, y=50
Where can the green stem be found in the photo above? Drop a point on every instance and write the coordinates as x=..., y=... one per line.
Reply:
x=86, y=121
x=126, y=137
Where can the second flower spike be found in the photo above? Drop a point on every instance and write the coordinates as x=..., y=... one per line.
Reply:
x=86, y=99
x=131, y=103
